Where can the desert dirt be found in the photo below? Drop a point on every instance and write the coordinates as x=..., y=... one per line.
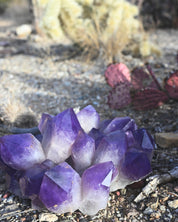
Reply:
x=38, y=76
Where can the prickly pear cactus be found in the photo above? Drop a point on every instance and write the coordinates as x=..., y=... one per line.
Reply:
x=116, y=74
x=119, y=96
x=171, y=85
x=148, y=98
x=141, y=79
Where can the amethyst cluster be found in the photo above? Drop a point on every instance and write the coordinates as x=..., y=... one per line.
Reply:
x=76, y=160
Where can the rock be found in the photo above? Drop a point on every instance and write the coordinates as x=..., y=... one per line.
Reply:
x=48, y=217
x=24, y=31
x=162, y=208
x=167, y=140
x=148, y=211
x=173, y=204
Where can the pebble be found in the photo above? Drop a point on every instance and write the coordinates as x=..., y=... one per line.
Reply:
x=155, y=215
x=47, y=217
x=176, y=189
x=167, y=140
x=173, y=204
x=24, y=30
x=148, y=211
x=162, y=208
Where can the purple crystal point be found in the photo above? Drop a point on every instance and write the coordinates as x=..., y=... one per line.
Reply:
x=96, y=182
x=59, y=135
x=43, y=122
x=31, y=179
x=120, y=123
x=21, y=151
x=12, y=181
x=136, y=165
x=145, y=141
x=112, y=147
x=60, y=190
x=88, y=118
x=97, y=135
x=83, y=151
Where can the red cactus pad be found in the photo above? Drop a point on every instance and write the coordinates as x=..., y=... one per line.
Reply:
x=119, y=96
x=142, y=79
x=148, y=98
x=171, y=85
x=117, y=73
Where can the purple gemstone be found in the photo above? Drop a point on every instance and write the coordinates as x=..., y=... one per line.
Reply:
x=59, y=135
x=88, y=118
x=130, y=139
x=145, y=141
x=60, y=190
x=31, y=179
x=136, y=165
x=120, y=123
x=83, y=151
x=103, y=124
x=96, y=182
x=111, y=148
x=97, y=135
x=43, y=122
x=21, y=151
x=12, y=181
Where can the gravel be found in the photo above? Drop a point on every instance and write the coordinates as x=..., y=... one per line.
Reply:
x=39, y=77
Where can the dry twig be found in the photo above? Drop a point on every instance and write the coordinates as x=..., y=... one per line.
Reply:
x=155, y=181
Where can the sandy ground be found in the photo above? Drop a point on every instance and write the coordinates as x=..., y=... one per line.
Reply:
x=37, y=77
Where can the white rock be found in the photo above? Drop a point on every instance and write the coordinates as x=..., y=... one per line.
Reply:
x=48, y=217
x=24, y=31
x=173, y=204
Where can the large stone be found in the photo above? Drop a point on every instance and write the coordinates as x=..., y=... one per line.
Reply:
x=167, y=140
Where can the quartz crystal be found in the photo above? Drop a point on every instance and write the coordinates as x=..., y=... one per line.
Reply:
x=60, y=189
x=83, y=150
x=59, y=134
x=88, y=118
x=76, y=160
x=21, y=151
x=96, y=182
x=112, y=147
x=30, y=180
x=120, y=123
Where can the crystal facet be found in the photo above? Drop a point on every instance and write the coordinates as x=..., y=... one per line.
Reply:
x=21, y=151
x=96, y=182
x=112, y=147
x=60, y=189
x=88, y=118
x=59, y=135
x=83, y=150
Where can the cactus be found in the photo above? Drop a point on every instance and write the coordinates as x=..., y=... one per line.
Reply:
x=117, y=73
x=148, y=98
x=142, y=89
x=141, y=79
x=171, y=85
x=119, y=96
